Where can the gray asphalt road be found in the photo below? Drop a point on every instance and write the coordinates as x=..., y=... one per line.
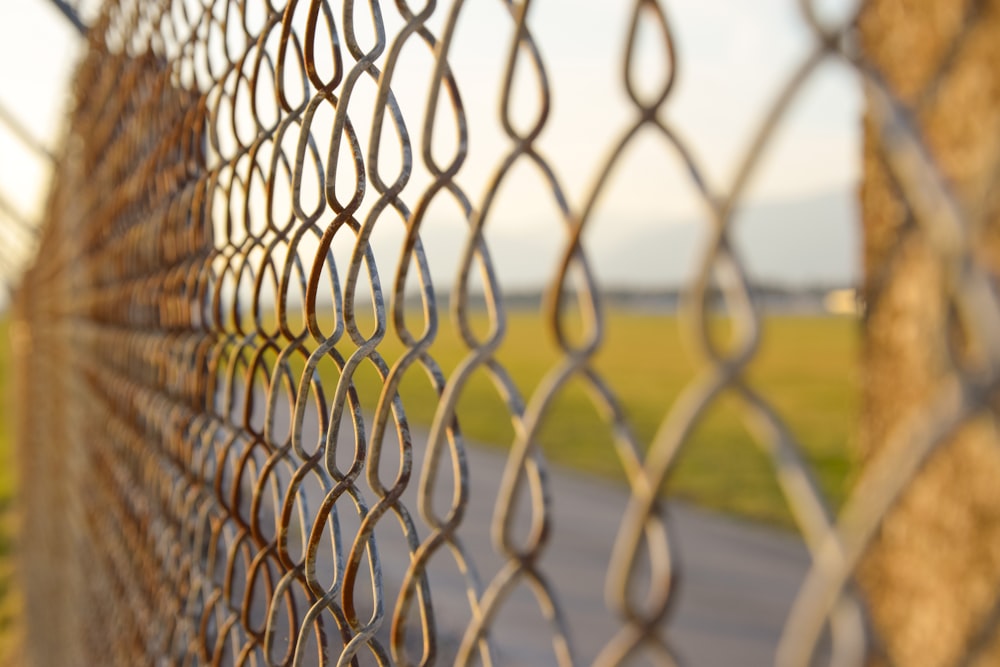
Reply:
x=736, y=587
x=737, y=581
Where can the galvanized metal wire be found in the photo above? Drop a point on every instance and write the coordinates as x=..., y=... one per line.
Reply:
x=193, y=466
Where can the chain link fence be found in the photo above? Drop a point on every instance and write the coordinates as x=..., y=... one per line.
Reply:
x=209, y=477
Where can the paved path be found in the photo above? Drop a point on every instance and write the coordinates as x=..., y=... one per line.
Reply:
x=737, y=580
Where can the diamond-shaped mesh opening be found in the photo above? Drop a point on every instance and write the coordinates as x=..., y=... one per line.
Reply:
x=314, y=333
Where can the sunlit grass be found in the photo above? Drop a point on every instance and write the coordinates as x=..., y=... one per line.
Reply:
x=805, y=369
x=9, y=601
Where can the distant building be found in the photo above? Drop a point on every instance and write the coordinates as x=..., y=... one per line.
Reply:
x=842, y=302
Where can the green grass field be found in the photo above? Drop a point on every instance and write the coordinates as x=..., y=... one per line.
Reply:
x=806, y=369
x=8, y=595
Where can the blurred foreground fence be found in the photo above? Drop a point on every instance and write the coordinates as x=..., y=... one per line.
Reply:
x=203, y=483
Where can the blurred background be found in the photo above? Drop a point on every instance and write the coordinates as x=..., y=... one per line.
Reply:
x=795, y=229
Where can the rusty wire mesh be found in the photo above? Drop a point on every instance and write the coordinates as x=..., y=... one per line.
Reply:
x=208, y=486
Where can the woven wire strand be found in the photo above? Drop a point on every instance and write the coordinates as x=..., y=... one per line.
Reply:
x=186, y=312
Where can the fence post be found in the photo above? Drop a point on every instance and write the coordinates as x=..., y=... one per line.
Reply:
x=933, y=572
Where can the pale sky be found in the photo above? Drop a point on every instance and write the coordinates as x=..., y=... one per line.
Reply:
x=733, y=56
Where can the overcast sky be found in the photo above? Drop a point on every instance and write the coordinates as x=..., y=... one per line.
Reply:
x=733, y=57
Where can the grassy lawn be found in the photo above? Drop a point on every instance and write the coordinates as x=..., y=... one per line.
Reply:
x=8, y=597
x=806, y=369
